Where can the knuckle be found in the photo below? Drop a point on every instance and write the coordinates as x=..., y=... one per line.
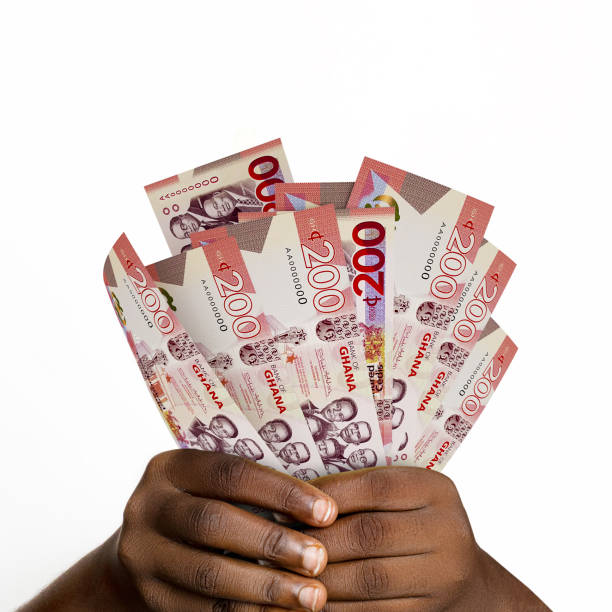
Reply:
x=443, y=485
x=366, y=532
x=461, y=532
x=133, y=511
x=378, y=485
x=289, y=496
x=232, y=473
x=146, y=505
x=274, y=545
x=156, y=467
x=206, y=577
x=205, y=521
x=372, y=580
x=154, y=596
x=126, y=553
x=272, y=588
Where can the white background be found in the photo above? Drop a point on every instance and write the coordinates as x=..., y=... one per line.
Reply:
x=509, y=102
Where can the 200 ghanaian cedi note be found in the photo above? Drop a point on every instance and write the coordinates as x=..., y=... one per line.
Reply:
x=211, y=291
x=367, y=240
x=438, y=233
x=213, y=194
x=446, y=342
x=194, y=404
x=297, y=265
x=464, y=403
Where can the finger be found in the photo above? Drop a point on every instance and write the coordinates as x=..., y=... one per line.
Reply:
x=161, y=597
x=390, y=578
x=379, y=534
x=385, y=488
x=215, y=475
x=219, y=577
x=216, y=524
x=418, y=604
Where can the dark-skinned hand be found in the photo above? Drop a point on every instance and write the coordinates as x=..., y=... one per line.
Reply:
x=403, y=542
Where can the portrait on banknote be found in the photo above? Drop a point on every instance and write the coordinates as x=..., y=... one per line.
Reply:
x=216, y=435
x=293, y=453
x=215, y=208
x=248, y=449
x=276, y=430
x=221, y=435
x=356, y=432
x=306, y=474
x=343, y=409
x=337, y=458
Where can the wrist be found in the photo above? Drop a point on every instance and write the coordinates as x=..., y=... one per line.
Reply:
x=495, y=589
x=118, y=588
x=96, y=582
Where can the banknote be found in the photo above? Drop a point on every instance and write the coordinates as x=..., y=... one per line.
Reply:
x=464, y=403
x=211, y=291
x=300, y=196
x=439, y=346
x=213, y=194
x=195, y=406
x=438, y=233
x=367, y=241
x=297, y=264
x=448, y=346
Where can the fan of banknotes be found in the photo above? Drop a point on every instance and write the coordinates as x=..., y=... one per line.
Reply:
x=315, y=327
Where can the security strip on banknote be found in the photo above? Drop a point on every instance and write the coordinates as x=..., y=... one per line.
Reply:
x=211, y=291
x=195, y=406
x=214, y=194
x=297, y=264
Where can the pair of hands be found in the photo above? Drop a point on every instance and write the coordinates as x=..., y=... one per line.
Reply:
x=377, y=540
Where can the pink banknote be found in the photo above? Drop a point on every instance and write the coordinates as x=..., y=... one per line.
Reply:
x=449, y=345
x=297, y=264
x=367, y=240
x=194, y=404
x=438, y=233
x=213, y=194
x=464, y=403
x=439, y=346
x=214, y=296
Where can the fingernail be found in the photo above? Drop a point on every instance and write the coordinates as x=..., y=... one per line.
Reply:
x=310, y=597
x=322, y=510
x=313, y=559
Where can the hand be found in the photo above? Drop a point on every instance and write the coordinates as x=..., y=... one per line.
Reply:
x=167, y=555
x=179, y=519
x=406, y=544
